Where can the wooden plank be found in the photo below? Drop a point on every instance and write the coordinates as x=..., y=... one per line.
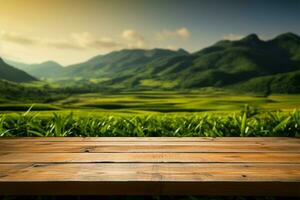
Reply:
x=150, y=172
x=163, y=148
x=150, y=139
x=149, y=166
x=229, y=179
x=150, y=158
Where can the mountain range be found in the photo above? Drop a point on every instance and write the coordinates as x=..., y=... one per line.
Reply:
x=249, y=64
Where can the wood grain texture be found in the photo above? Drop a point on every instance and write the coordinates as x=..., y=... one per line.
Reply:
x=107, y=147
x=151, y=172
x=150, y=166
x=150, y=158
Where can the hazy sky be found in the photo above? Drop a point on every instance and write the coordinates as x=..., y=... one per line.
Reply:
x=71, y=31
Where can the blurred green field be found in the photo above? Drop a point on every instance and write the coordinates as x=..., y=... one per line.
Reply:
x=155, y=102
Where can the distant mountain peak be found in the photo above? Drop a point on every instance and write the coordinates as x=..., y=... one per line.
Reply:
x=251, y=37
x=50, y=62
x=183, y=51
x=288, y=36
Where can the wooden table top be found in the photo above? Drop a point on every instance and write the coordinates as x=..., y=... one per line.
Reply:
x=150, y=166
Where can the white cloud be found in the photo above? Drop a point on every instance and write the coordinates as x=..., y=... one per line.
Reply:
x=134, y=38
x=17, y=38
x=24, y=40
x=78, y=41
x=86, y=40
x=60, y=44
x=181, y=33
x=82, y=38
x=233, y=37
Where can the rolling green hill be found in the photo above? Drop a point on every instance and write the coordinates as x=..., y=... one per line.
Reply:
x=222, y=64
x=226, y=63
x=250, y=63
x=10, y=73
x=119, y=64
x=41, y=70
x=231, y=62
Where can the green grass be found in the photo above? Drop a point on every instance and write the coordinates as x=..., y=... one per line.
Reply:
x=249, y=122
x=155, y=113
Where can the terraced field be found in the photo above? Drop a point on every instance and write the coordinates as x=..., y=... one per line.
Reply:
x=157, y=102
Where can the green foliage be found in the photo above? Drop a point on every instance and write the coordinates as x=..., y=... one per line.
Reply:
x=286, y=83
x=16, y=92
x=245, y=123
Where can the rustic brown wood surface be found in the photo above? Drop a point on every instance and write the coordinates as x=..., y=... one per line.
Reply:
x=150, y=166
